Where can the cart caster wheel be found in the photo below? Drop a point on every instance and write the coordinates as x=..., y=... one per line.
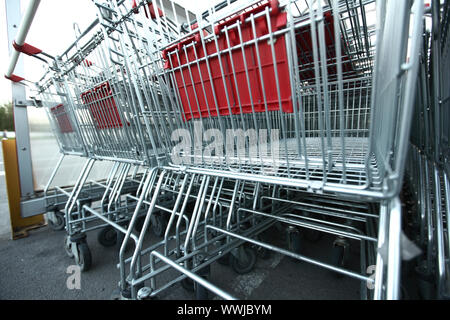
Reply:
x=338, y=258
x=245, y=260
x=68, y=246
x=59, y=221
x=125, y=294
x=107, y=236
x=144, y=293
x=83, y=258
x=158, y=225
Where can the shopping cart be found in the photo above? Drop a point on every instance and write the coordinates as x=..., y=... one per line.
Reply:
x=104, y=193
x=251, y=115
x=336, y=111
x=66, y=131
x=428, y=162
x=100, y=115
x=235, y=73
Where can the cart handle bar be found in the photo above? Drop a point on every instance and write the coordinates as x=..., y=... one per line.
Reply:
x=19, y=44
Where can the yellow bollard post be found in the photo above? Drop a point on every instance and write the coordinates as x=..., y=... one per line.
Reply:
x=19, y=226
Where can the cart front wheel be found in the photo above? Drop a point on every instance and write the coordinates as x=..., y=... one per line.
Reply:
x=68, y=246
x=84, y=259
x=58, y=223
x=107, y=236
x=245, y=260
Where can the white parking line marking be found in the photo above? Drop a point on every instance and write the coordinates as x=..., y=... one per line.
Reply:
x=276, y=260
x=246, y=284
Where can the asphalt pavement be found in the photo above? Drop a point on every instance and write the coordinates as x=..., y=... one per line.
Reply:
x=37, y=267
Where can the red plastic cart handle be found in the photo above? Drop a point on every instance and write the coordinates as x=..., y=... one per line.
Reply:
x=26, y=48
x=14, y=78
x=273, y=4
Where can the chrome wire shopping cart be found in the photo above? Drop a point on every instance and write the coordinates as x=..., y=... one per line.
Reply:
x=322, y=113
x=67, y=133
x=236, y=73
x=290, y=114
x=99, y=115
x=428, y=162
x=67, y=202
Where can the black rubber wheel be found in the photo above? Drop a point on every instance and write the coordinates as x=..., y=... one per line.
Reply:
x=245, y=262
x=158, y=224
x=59, y=223
x=107, y=236
x=337, y=259
x=68, y=246
x=84, y=256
